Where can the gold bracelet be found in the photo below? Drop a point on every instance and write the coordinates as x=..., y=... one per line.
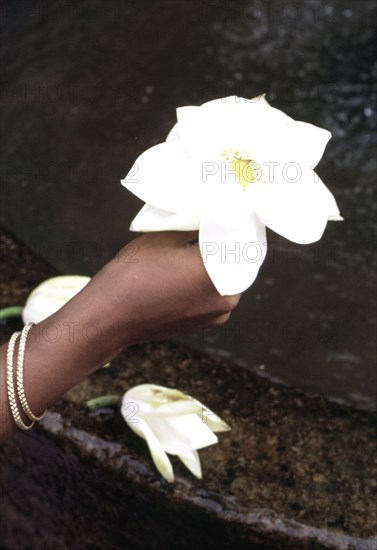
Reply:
x=20, y=376
x=10, y=385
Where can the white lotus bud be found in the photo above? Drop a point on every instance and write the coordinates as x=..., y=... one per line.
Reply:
x=171, y=422
x=51, y=295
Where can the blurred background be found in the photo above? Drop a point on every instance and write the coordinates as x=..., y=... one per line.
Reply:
x=88, y=85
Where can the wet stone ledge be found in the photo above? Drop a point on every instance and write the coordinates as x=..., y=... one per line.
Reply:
x=295, y=472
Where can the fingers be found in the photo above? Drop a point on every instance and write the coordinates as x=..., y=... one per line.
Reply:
x=221, y=320
x=172, y=237
x=190, y=237
x=231, y=302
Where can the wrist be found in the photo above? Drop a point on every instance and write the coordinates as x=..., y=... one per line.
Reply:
x=83, y=334
x=89, y=328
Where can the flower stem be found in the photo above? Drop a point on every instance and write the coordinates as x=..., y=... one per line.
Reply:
x=9, y=312
x=102, y=401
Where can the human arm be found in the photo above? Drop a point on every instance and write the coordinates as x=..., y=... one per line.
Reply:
x=159, y=291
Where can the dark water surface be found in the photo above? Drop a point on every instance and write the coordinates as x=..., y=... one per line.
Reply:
x=88, y=86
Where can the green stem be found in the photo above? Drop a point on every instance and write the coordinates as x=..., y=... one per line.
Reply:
x=9, y=312
x=103, y=401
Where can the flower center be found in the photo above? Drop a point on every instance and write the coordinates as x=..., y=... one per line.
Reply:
x=247, y=171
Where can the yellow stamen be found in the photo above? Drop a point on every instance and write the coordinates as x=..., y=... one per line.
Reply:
x=247, y=171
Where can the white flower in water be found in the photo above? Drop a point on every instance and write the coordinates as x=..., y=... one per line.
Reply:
x=230, y=168
x=51, y=295
x=171, y=422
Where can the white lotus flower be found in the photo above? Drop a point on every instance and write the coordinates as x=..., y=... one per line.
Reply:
x=229, y=168
x=171, y=422
x=51, y=295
